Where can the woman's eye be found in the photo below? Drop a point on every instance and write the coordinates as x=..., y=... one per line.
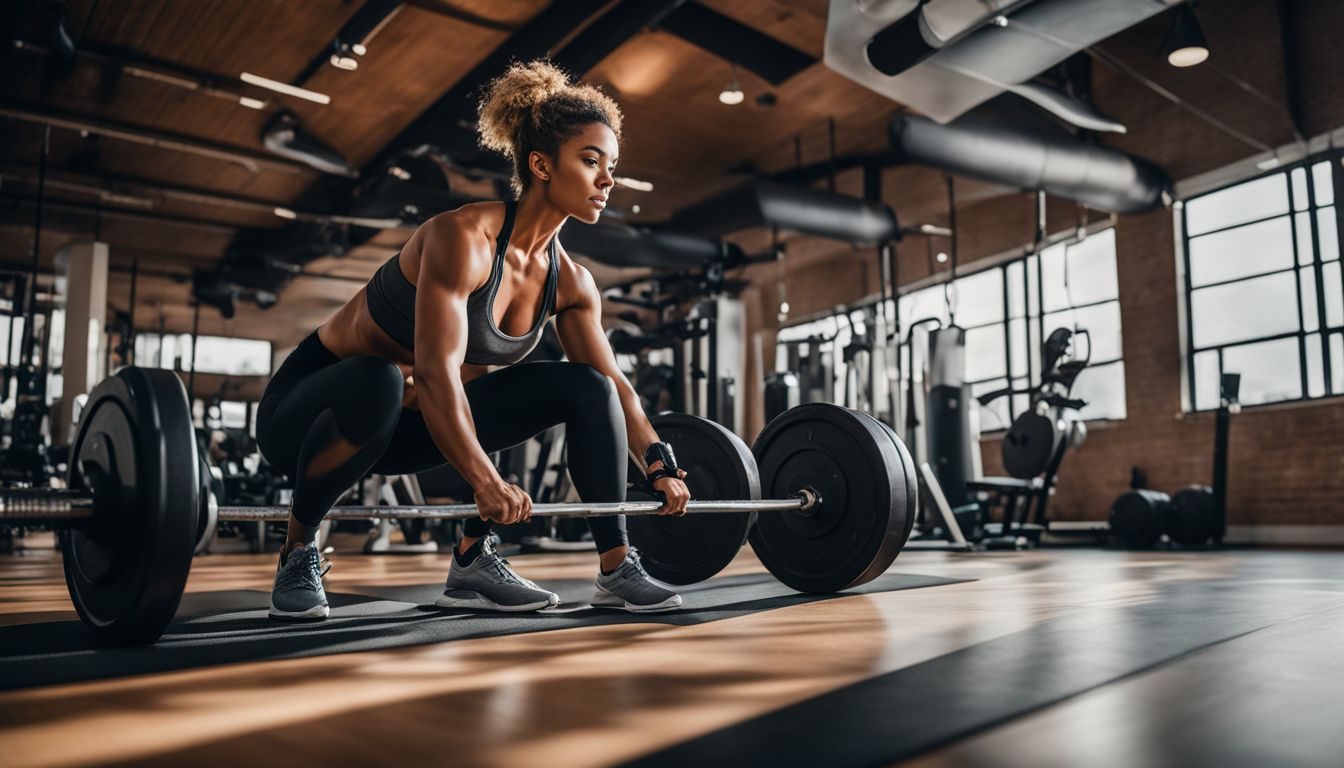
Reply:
x=590, y=161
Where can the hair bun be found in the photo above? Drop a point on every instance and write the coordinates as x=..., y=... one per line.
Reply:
x=512, y=98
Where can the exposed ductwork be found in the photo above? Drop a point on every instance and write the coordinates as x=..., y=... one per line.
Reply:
x=808, y=210
x=944, y=57
x=1027, y=152
x=284, y=137
x=622, y=245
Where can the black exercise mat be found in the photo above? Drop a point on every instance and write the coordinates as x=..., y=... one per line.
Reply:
x=214, y=628
x=903, y=713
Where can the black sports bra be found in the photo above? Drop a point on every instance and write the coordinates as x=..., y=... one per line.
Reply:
x=391, y=301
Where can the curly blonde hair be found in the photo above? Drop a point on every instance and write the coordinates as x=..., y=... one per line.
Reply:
x=534, y=106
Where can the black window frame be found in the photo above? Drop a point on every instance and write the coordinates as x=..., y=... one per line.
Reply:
x=1335, y=161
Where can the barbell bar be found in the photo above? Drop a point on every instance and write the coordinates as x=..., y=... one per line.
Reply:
x=62, y=508
x=842, y=487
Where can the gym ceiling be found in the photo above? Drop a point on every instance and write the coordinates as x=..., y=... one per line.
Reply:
x=158, y=143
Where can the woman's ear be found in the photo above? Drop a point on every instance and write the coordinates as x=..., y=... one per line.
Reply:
x=539, y=165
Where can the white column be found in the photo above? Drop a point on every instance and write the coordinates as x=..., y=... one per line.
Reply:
x=83, y=267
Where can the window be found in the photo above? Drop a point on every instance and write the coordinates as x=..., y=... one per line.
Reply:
x=1263, y=290
x=1006, y=310
x=214, y=354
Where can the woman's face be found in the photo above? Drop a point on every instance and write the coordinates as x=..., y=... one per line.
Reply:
x=579, y=178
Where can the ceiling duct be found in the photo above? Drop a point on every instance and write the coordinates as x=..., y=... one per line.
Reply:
x=622, y=245
x=944, y=57
x=1014, y=147
x=284, y=137
x=808, y=210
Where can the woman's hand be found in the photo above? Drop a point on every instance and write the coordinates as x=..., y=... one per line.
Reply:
x=675, y=493
x=504, y=503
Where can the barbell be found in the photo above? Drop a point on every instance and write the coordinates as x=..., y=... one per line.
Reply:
x=842, y=487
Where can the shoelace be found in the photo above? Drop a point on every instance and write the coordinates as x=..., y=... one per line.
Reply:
x=500, y=565
x=309, y=573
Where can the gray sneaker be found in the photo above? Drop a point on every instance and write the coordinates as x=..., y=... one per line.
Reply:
x=489, y=584
x=631, y=588
x=297, y=593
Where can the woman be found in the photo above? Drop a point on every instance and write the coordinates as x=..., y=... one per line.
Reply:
x=397, y=380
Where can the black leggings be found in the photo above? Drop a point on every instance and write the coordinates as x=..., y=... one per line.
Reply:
x=327, y=422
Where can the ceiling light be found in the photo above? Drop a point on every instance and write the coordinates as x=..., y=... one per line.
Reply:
x=635, y=184
x=1186, y=45
x=732, y=92
x=358, y=49
x=399, y=172
x=285, y=88
x=941, y=257
x=285, y=213
x=348, y=63
x=634, y=209
x=1000, y=21
x=251, y=103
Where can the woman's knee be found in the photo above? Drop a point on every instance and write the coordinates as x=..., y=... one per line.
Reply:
x=376, y=386
x=590, y=383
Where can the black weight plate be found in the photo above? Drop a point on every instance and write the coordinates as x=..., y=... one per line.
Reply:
x=868, y=488
x=719, y=466
x=136, y=451
x=909, y=469
x=1193, y=516
x=1029, y=444
x=1139, y=517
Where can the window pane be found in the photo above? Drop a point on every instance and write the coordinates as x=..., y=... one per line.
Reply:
x=244, y=357
x=1206, y=380
x=1103, y=329
x=1325, y=186
x=1017, y=300
x=1299, y=189
x=1249, y=250
x=1017, y=330
x=1263, y=306
x=1327, y=234
x=1334, y=302
x=1305, y=251
x=993, y=417
x=1309, y=316
x=1337, y=364
x=1257, y=199
x=1270, y=370
x=1053, y=292
x=1315, y=372
x=979, y=298
x=1103, y=387
x=984, y=353
x=1092, y=269
x=922, y=304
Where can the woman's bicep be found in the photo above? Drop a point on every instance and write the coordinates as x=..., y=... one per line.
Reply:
x=447, y=277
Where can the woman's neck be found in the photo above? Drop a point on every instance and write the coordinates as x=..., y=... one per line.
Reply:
x=535, y=223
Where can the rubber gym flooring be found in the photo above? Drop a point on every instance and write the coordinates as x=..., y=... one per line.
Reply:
x=1055, y=657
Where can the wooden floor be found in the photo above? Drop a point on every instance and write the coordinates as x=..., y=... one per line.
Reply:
x=610, y=694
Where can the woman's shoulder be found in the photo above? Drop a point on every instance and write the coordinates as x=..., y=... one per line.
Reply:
x=468, y=221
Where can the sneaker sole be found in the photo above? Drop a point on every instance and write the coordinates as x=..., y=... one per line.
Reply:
x=316, y=613
x=477, y=601
x=604, y=599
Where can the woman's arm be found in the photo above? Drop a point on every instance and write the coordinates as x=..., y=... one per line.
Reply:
x=451, y=264
x=579, y=326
